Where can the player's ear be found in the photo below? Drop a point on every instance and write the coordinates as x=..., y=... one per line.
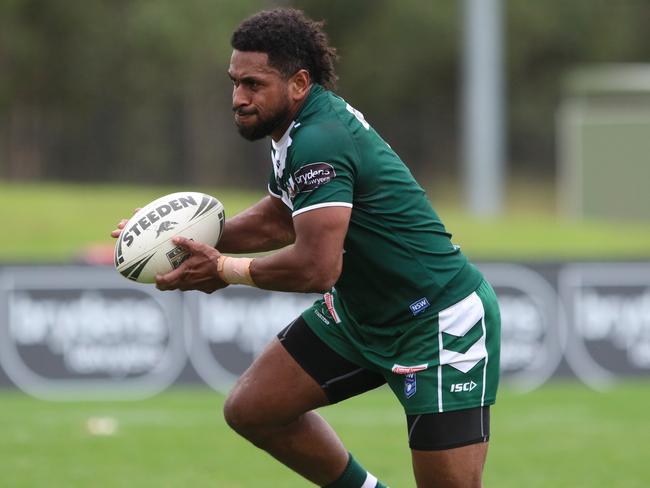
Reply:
x=299, y=85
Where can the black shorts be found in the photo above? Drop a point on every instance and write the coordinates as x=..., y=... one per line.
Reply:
x=341, y=379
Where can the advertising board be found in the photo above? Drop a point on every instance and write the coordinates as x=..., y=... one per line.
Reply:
x=84, y=332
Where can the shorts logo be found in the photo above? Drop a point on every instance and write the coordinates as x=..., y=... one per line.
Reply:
x=420, y=306
x=462, y=387
x=324, y=319
x=410, y=385
x=399, y=369
x=313, y=175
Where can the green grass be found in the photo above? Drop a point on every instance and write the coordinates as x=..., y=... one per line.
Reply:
x=56, y=222
x=562, y=435
x=531, y=228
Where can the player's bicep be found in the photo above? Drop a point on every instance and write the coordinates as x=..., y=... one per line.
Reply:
x=265, y=226
x=320, y=235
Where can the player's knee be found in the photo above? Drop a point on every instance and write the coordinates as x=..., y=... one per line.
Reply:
x=241, y=415
x=233, y=413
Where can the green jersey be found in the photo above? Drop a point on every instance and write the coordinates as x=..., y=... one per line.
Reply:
x=398, y=261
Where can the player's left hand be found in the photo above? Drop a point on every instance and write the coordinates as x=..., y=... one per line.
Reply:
x=198, y=272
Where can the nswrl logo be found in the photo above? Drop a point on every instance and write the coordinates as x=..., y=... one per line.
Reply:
x=419, y=306
x=410, y=385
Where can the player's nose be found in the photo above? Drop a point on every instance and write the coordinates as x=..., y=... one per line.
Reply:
x=239, y=98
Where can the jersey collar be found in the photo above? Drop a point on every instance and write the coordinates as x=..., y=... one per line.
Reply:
x=304, y=111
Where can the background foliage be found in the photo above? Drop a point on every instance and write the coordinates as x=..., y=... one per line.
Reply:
x=136, y=91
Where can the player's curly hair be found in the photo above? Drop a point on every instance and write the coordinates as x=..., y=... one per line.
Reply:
x=292, y=42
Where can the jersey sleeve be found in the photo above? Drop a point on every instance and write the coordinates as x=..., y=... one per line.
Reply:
x=323, y=171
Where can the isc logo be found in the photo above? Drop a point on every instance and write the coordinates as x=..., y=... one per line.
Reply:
x=460, y=387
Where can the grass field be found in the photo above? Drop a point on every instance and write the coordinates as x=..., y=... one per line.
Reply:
x=56, y=222
x=562, y=435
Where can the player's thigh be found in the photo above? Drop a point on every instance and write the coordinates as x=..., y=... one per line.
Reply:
x=296, y=373
x=449, y=448
x=338, y=377
x=273, y=390
x=460, y=467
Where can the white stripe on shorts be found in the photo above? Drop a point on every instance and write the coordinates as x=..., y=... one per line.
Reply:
x=457, y=320
x=440, y=373
x=371, y=482
x=484, y=367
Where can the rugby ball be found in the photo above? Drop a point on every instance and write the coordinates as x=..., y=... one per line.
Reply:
x=145, y=249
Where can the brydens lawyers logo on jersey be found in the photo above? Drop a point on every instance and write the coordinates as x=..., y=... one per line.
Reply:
x=313, y=175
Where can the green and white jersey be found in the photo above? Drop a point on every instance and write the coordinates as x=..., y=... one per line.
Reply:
x=399, y=261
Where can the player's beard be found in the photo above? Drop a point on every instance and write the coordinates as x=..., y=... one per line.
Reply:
x=265, y=125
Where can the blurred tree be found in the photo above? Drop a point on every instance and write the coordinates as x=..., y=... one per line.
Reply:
x=117, y=90
x=399, y=65
x=545, y=41
x=136, y=90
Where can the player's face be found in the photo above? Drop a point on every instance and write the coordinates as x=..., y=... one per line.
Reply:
x=260, y=97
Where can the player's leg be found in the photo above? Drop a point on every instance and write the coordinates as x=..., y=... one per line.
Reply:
x=271, y=404
x=447, y=405
x=448, y=450
x=453, y=468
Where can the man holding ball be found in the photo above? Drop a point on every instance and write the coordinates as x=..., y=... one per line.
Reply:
x=402, y=305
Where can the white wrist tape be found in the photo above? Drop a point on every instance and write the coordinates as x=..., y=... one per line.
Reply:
x=235, y=271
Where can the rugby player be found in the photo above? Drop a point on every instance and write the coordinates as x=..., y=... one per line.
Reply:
x=402, y=305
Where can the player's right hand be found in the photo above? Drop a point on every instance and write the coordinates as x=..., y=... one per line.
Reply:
x=198, y=272
x=120, y=226
x=116, y=232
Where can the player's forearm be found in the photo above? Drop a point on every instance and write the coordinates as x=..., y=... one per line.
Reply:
x=262, y=227
x=249, y=235
x=313, y=263
x=292, y=270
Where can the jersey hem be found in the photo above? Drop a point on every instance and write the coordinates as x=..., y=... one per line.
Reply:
x=321, y=205
x=336, y=343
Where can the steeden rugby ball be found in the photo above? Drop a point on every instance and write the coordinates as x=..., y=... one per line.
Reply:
x=144, y=248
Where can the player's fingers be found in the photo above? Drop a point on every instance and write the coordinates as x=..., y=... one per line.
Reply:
x=165, y=282
x=169, y=281
x=120, y=226
x=186, y=243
